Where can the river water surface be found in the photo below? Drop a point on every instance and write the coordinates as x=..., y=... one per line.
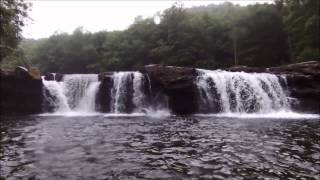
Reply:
x=171, y=147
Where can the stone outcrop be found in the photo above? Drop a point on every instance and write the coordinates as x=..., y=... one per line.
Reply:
x=104, y=94
x=177, y=84
x=21, y=92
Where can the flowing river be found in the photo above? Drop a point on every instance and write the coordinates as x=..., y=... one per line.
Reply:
x=115, y=146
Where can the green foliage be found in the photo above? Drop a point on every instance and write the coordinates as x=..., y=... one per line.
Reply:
x=264, y=40
x=12, y=15
x=214, y=36
x=302, y=22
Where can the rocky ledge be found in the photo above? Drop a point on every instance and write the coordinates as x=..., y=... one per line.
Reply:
x=22, y=89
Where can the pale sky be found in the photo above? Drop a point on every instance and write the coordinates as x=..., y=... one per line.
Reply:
x=65, y=16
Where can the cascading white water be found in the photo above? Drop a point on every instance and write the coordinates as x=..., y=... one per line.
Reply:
x=76, y=92
x=57, y=98
x=139, y=96
x=127, y=87
x=240, y=92
x=128, y=94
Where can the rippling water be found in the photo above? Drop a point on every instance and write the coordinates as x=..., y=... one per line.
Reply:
x=140, y=147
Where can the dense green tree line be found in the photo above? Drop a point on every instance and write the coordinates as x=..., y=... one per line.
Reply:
x=214, y=36
x=12, y=16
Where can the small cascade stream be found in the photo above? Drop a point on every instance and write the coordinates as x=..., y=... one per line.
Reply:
x=128, y=92
x=239, y=92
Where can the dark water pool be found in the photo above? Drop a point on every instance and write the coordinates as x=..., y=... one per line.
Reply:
x=99, y=147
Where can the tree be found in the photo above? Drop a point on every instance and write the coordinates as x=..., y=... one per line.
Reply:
x=302, y=22
x=214, y=36
x=264, y=42
x=12, y=15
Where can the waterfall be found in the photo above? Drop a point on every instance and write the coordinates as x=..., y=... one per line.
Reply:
x=76, y=92
x=138, y=94
x=127, y=93
x=56, y=96
x=131, y=92
x=240, y=92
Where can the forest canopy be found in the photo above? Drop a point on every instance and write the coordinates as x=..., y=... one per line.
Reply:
x=213, y=36
x=12, y=17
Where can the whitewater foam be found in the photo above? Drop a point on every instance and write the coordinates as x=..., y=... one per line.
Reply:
x=274, y=115
x=75, y=93
x=240, y=92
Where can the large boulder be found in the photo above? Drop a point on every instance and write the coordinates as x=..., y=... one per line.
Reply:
x=22, y=72
x=20, y=92
x=177, y=83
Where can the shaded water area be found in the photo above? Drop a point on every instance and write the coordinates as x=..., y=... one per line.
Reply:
x=172, y=147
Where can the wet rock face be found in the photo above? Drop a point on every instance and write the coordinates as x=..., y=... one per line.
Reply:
x=304, y=84
x=306, y=89
x=103, y=100
x=20, y=92
x=49, y=77
x=58, y=77
x=53, y=77
x=177, y=83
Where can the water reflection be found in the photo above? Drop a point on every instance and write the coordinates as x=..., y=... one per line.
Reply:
x=176, y=147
